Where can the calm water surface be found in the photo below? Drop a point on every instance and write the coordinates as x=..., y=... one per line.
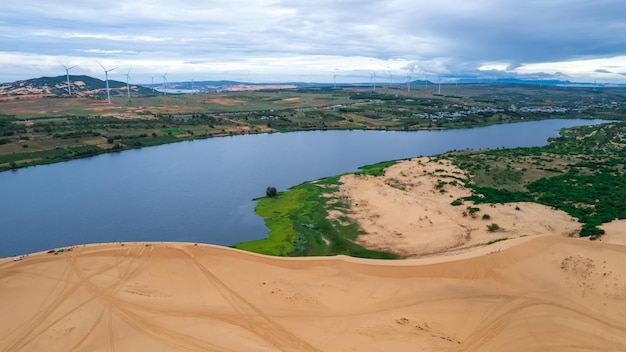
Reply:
x=202, y=191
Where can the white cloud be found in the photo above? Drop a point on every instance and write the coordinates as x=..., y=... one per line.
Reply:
x=271, y=39
x=588, y=70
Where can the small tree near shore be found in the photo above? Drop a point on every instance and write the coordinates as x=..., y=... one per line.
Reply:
x=271, y=192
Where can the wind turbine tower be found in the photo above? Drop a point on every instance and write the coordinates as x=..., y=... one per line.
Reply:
x=67, y=73
x=408, y=83
x=334, y=80
x=390, y=80
x=127, y=74
x=373, y=80
x=439, y=90
x=106, y=79
x=165, y=83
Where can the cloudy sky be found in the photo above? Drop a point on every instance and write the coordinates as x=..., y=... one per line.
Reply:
x=314, y=41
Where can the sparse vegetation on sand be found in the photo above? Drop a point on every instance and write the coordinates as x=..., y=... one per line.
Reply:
x=581, y=172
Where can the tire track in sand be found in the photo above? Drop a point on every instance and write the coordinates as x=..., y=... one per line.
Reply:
x=36, y=327
x=125, y=311
x=493, y=327
x=45, y=310
x=251, y=317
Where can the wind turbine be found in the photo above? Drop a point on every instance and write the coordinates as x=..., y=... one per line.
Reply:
x=334, y=80
x=373, y=80
x=439, y=91
x=67, y=73
x=165, y=82
x=390, y=80
x=106, y=78
x=408, y=83
x=127, y=74
x=152, y=84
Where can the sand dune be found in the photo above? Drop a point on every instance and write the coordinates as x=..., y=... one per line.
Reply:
x=540, y=290
x=409, y=211
x=545, y=293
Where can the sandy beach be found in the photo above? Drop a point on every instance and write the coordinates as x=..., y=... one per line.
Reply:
x=539, y=290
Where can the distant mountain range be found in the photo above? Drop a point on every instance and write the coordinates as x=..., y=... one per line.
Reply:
x=82, y=86
x=86, y=86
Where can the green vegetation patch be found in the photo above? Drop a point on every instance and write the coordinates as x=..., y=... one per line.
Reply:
x=299, y=224
x=377, y=169
x=171, y=130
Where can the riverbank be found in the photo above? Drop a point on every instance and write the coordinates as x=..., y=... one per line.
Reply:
x=542, y=292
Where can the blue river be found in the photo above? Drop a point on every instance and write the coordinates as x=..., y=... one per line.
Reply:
x=202, y=191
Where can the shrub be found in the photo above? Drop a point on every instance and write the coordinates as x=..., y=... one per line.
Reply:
x=591, y=230
x=472, y=211
x=486, y=216
x=493, y=227
x=271, y=191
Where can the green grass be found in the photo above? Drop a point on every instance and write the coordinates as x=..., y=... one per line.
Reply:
x=171, y=130
x=377, y=169
x=278, y=213
x=298, y=223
